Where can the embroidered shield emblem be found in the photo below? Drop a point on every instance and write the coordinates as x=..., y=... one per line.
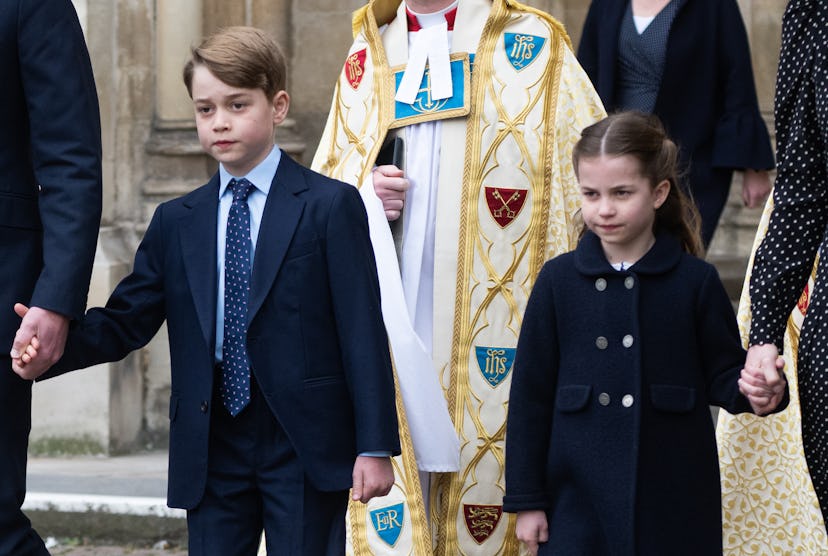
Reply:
x=522, y=49
x=355, y=68
x=388, y=522
x=804, y=299
x=505, y=204
x=481, y=520
x=495, y=363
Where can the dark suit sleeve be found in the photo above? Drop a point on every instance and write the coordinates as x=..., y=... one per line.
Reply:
x=742, y=139
x=64, y=122
x=132, y=315
x=531, y=401
x=357, y=311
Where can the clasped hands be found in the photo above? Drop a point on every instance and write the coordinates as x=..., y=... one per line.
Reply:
x=39, y=341
x=762, y=381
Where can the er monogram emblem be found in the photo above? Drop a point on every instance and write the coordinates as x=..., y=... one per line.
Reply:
x=388, y=523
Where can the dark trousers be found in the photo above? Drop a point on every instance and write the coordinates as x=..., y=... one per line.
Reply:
x=255, y=482
x=17, y=538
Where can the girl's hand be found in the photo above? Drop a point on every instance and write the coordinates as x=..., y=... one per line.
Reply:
x=532, y=529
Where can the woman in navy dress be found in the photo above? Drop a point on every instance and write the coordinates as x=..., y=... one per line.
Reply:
x=688, y=62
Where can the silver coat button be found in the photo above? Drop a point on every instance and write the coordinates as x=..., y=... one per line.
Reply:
x=629, y=282
x=600, y=284
x=603, y=399
x=601, y=342
x=627, y=400
x=627, y=341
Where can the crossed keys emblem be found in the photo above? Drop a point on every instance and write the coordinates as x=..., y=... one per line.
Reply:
x=505, y=204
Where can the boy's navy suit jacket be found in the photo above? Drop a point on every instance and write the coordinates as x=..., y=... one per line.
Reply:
x=316, y=339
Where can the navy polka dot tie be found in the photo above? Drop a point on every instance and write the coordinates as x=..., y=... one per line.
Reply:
x=235, y=379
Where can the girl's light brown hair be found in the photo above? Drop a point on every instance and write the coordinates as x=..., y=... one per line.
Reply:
x=243, y=57
x=642, y=136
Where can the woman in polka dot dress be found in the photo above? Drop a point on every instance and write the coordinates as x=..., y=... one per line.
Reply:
x=797, y=227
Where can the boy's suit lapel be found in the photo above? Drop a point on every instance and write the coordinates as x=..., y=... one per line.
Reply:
x=198, y=248
x=282, y=213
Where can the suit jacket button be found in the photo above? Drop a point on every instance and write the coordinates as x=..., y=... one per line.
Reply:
x=627, y=400
x=204, y=407
x=601, y=342
x=603, y=399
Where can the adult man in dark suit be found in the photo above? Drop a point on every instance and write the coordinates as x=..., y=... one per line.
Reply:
x=300, y=406
x=50, y=210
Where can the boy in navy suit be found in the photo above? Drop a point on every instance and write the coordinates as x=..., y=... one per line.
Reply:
x=282, y=394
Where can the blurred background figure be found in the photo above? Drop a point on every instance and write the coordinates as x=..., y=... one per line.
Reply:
x=688, y=62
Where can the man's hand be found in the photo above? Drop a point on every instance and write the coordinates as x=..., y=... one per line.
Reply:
x=39, y=341
x=532, y=529
x=756, y=187
x=390, y=186
x=373, y=476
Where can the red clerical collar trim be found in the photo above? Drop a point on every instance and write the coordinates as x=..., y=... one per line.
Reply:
x=414, y=25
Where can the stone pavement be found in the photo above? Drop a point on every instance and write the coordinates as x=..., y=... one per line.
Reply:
x=107, y=506
x=113, y=551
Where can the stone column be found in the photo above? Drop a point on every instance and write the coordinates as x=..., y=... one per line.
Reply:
x=178, y=28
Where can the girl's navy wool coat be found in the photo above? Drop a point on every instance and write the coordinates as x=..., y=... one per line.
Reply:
x=609, y=429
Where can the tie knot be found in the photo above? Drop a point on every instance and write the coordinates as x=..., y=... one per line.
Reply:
x=240, y=188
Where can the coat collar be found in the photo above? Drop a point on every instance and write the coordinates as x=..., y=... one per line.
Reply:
x=663, y=256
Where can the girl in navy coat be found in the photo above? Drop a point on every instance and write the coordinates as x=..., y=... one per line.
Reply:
x=625, y=342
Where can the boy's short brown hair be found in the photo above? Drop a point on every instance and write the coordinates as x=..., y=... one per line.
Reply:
x=243, y=57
